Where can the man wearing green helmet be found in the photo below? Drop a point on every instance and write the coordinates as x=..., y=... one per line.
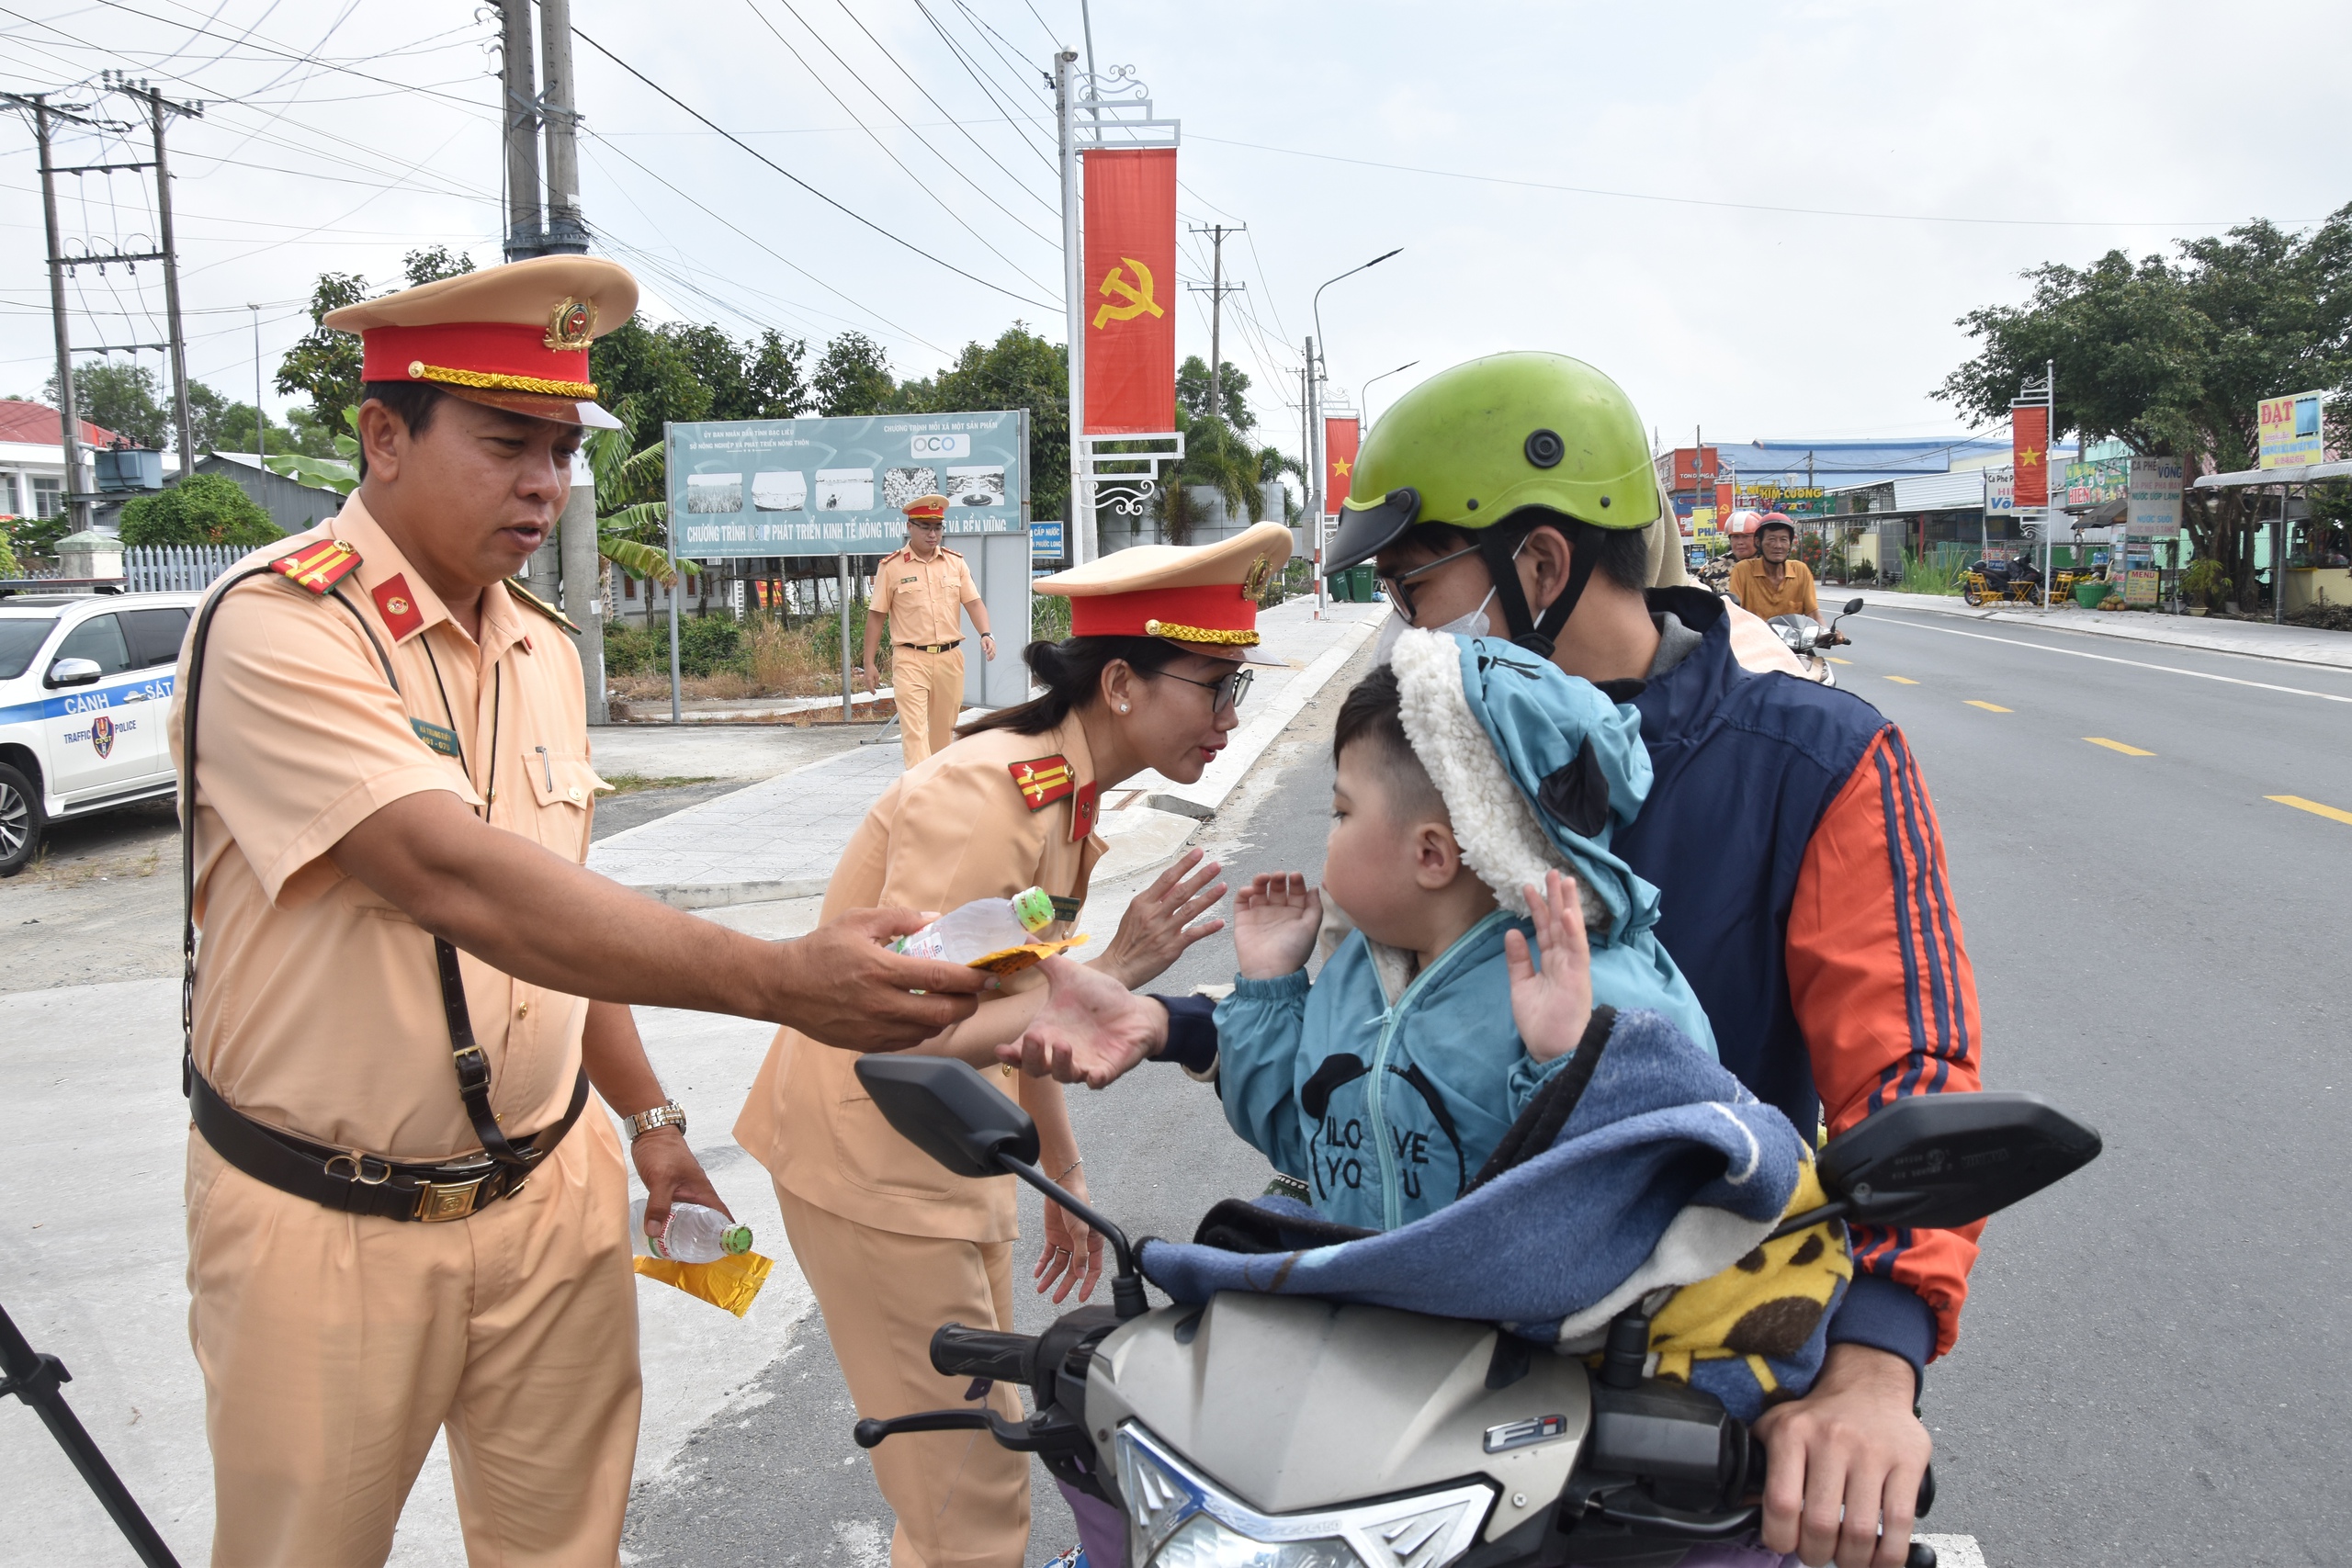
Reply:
x=1513, y=496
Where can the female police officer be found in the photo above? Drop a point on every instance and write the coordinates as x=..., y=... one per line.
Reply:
x=893, y=1244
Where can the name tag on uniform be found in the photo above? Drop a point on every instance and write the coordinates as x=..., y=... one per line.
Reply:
x=904, y=581
x=442, y=740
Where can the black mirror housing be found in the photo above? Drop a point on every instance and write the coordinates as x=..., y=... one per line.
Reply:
x=946, y=1109
x=1934, y=1161
x=1853, y=607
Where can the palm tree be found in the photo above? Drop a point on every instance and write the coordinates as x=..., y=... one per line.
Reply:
x=1215, y=459
x=632, y=506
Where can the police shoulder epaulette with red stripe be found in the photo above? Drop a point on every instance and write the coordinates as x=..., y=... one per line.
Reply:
x=318, y=566
x=1043, y=780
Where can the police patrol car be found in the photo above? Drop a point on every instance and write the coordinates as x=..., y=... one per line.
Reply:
x=86, y=686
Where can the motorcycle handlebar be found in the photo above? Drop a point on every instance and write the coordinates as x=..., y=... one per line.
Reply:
x=958, y=1352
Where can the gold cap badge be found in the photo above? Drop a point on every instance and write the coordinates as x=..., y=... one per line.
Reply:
x=573, y=324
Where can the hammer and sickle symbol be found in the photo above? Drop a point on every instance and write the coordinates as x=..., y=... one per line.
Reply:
x=1137, y=295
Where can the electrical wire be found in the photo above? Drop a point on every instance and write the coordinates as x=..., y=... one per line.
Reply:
x=1013, y=62
x=1019, y=123
x=943, y=109
x=838, y=207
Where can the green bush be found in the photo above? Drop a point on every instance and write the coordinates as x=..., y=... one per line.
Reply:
x=1048, y=617
x=2203, y=580
x=203, y=509
x=707, y=645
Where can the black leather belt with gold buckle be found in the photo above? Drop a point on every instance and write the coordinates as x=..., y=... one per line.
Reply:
x=360, y=1183
x=936, y=647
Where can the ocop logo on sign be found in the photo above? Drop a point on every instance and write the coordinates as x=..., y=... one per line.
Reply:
x=941, y=445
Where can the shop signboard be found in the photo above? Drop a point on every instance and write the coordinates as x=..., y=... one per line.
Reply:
x=1791, y=501
x=2288, y=430
x=1045, y=540
x=829, y=487
x=1694, y=466
x=2097, y=482
x=2139, y=586
x=2000, y=493
x=1702, y=520
x=2154, y=512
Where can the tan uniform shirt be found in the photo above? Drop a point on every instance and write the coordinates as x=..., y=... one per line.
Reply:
x=955, y=829
x=317, y=1008
x=1753, y=587
x=924, y=599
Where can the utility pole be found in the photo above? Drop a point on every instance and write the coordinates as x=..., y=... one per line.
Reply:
x=158, y=107
x=566, y=234
x=520, y=119
x=261, y=442
x=1082, y=497
x=1216, y=291
x=76, y=498
x=1314, y=454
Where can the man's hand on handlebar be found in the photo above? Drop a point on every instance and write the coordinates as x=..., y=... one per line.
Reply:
x=841, y=985
x=1842, y=1480
x=1092, y=1030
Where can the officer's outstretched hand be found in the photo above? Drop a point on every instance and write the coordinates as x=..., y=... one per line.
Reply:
x=1090, y=1031
x=841, y=984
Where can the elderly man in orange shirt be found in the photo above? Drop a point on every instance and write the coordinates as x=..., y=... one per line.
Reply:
x=1768, y=583
x=406, y=1209
x=923, y=592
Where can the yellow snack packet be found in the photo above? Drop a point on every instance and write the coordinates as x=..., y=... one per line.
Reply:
x=1012, y=959
x=732, y=1282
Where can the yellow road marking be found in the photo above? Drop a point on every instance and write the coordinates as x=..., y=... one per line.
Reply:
x=1834, y=660
x=1989, y=707
x=1902, y=680
x=2118, y=746
x=2314, y=807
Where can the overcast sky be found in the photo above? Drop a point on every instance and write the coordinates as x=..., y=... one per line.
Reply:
x=1760, y=218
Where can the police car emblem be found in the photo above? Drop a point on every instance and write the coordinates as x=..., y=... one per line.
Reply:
x=102, y=735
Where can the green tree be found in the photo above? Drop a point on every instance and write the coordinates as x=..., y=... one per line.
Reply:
x=1217, y=458
x=1020, y=370
x=1232, y=387
x=125, y=398
x=852, y=376
x=635, y=362
x=2170, y=355
x=324, y=365
x=774, y=385
x=203, y=509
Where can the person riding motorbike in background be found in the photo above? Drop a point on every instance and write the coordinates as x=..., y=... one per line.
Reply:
x=1513, y=492
x=1771, y=583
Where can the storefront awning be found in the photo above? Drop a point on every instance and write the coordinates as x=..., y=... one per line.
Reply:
x=2302, y=474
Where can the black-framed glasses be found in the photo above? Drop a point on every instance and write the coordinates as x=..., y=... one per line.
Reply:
x=1224, y=692
x=1398, y=588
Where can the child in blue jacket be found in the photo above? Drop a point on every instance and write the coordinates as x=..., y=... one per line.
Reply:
x=1472, y=774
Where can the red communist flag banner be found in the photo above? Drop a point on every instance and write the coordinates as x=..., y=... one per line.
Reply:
x=1130, y=291
x=2030, y=455
x=1341, y=438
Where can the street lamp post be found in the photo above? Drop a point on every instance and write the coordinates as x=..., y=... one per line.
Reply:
x=1384, y=375
x=1315, y=400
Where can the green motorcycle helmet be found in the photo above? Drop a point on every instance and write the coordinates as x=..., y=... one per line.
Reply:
x=1476, y=445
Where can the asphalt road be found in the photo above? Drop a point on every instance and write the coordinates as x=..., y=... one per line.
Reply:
x=2152, y=1367
x=775, y=1479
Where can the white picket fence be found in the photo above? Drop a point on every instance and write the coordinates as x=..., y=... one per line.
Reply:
x=176, y=569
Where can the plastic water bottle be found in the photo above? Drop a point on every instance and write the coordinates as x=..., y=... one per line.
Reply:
x=981, y=927
x=694, y=1235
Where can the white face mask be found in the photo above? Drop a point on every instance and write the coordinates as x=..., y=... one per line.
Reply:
x=1475, y=624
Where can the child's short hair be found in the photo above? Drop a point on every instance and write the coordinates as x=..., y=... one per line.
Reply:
x=1372, y=713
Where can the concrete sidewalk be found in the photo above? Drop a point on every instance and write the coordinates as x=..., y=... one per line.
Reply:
x=2256, y=639
x=780, y=837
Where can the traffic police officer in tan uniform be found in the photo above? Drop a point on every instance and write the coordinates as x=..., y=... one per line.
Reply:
x=923, y=592
x=1152, y=677
x=406, y=1202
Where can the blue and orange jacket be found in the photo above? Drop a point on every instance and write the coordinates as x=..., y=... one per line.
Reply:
x=1797, y=853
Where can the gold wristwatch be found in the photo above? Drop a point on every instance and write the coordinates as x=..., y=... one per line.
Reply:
x=669, y=1114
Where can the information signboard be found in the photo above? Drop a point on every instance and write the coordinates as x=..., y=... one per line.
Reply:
x=2000, y=493
x=2288, y=430
x=2139, y=586
x=2153, y=509
x=830, y=487
x=1046, y=541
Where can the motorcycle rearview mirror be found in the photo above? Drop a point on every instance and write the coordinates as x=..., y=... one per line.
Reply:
x=946, y=1109
x=1853, y=607
x=1933, y=1162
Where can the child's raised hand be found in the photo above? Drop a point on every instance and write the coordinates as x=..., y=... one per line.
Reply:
x=1551, y=1005
x=1274, y=922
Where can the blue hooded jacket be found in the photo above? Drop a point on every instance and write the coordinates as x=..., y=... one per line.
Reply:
x=1384, y=1090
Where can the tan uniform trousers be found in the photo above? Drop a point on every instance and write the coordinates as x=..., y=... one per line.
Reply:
x=929, y=688
x=961, y=1501
x=335, y=1346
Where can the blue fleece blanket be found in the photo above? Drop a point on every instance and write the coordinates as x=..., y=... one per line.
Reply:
x=1666, y=1172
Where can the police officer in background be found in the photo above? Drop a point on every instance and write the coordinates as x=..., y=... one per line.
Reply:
x=923, y=592
x=406, y=1212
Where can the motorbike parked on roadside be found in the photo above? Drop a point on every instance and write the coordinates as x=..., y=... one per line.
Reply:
x=1295, y=1432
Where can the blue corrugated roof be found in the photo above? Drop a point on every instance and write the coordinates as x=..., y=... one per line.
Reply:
x=1841, y=463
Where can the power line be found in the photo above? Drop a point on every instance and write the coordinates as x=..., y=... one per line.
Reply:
x=1012, y=62
x=1019, y=123
x=943, y=109
x=895, y=238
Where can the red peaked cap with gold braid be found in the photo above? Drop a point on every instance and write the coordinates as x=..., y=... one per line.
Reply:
x=515, y=337
x=1203, y=596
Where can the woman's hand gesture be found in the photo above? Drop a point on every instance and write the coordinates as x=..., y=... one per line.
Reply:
x=1276, y=920
x=1553, y=1004
x=1073, y=1252
x=1157, y=926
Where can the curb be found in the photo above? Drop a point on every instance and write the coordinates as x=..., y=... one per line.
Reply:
x=2061, y=621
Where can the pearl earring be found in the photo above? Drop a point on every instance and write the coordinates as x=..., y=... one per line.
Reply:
x=1123, y=707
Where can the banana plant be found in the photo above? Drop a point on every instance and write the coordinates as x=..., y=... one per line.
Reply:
x=632, y=513
x=339, y=473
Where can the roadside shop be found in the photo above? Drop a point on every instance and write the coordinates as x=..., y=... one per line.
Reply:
x=2306, y=557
